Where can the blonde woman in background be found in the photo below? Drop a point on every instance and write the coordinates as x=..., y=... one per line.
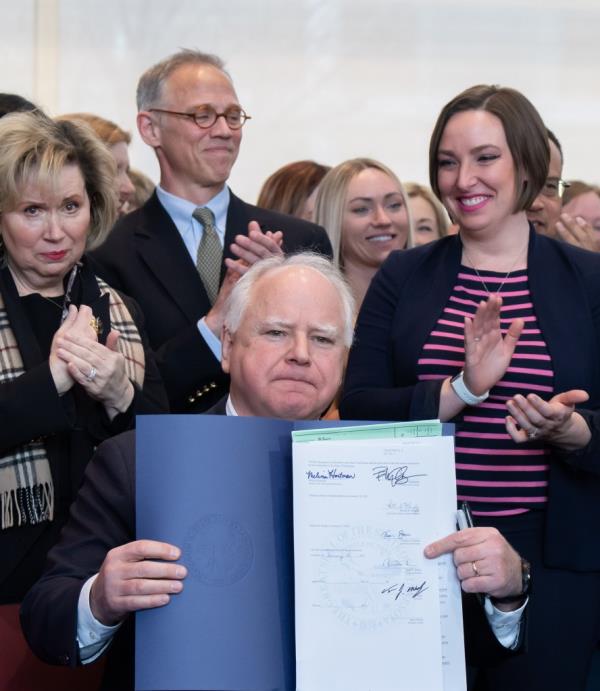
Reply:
x=430, y=219
x=363, y=206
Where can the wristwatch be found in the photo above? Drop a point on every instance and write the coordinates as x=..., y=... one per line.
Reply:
x=460, y=389
x=525, y=586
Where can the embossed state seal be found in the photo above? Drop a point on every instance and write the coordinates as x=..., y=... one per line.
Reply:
x=218, y=550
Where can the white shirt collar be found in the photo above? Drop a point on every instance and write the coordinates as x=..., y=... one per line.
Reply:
x=180, y=210
x=229, y=408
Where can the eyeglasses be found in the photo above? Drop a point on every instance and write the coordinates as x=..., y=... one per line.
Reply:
x=206, y=116
x=555, y=188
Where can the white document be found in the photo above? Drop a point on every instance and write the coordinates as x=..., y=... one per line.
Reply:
x=372, y=614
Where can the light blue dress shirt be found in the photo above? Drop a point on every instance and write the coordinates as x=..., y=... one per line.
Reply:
x=181, y=210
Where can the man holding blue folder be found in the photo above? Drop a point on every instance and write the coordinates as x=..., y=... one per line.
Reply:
x=285, y=340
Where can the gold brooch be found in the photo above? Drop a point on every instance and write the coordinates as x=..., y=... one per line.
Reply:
x=96, y=324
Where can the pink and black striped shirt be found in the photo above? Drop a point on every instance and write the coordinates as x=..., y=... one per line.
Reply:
x=497, y=476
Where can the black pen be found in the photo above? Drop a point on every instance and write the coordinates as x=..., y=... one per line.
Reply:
x=464, y=520
x=468, y=515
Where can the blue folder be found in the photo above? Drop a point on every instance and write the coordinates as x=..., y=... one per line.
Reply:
x=221, y=489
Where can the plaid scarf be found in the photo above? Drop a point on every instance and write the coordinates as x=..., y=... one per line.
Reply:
x=26, y=488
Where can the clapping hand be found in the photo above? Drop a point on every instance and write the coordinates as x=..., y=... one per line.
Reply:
x=255, y=246
x=99, y=369
x=577, y=231
x=249, y=249
x=555, y=421
x=78, y=321
x=487, y=351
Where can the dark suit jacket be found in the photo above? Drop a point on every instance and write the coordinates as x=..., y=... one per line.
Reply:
x=401, y=308
x=103, y=517
x=146, y=258
x=219, y=408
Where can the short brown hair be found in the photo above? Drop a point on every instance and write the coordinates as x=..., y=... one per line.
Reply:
x=34, y=147
x=525, y=132
x=108, y=131
x=289, y=187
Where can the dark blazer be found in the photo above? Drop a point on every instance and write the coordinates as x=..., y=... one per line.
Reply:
x=145, y=257
x=103, y=517
x=71, y=425
x=219, y=408
x=400, y=309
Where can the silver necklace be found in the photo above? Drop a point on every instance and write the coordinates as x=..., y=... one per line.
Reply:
x=64, y=306
x=59, y=305
x=483, y=283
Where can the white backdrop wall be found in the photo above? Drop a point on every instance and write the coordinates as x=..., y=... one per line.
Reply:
x=322, y=79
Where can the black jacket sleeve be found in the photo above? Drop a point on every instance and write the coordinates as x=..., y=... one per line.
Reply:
x=102, y=517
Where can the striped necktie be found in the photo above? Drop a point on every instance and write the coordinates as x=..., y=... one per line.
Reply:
x=210, y=252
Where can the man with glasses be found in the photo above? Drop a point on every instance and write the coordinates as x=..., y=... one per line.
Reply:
x=545, y=211
x=180, y=254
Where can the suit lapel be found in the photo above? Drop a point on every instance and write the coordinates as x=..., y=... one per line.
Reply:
x=563, y=313
x=237, y=224
x=162, y=249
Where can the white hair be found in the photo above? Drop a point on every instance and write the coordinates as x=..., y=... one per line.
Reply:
x=240, y=296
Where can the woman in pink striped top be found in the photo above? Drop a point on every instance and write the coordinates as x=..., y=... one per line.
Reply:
x=498, y=331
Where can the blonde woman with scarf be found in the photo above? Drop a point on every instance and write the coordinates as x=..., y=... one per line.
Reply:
x=74, y=368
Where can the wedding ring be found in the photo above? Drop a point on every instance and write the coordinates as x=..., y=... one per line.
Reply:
x=532, y=433
x=475, y=569
x=92, y=374
x=96, y=324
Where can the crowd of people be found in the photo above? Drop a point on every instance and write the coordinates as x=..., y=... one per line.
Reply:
x=342, y=293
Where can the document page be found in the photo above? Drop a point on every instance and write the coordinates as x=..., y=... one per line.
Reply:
x=368, y=604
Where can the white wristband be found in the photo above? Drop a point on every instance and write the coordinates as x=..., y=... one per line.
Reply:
x=461, y=390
